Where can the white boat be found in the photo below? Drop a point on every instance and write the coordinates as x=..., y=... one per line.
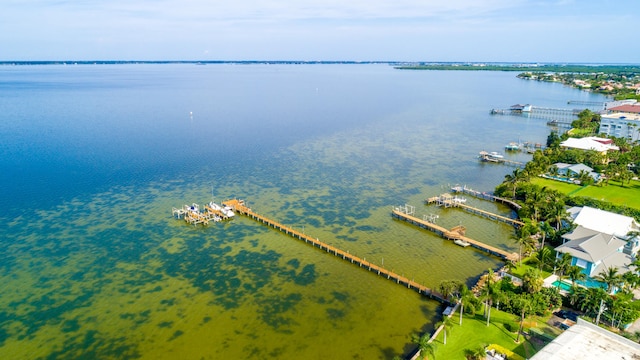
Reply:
x=461, y=242
x=459, y=200
x=228, y=211
x=491, y=156
x=512, y=147
x=225, y=210
x=215, y=206
x=495, y=155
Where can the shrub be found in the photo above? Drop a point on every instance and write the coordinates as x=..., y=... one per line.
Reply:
x=510, y=354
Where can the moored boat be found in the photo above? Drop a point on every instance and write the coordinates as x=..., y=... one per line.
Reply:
x=512, y=147
x=491, y=156
x=461, y=242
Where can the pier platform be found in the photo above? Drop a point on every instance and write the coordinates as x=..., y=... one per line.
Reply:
x=194, y=216
x=487, y=157
x=454, y=234
x=446, y=200
x=486, y=196
x=239, y=207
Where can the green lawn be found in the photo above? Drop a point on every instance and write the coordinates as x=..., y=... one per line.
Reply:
x=474, y=333
x=520, y=269
x=614, y=193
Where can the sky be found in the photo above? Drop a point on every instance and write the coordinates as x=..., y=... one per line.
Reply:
x=566, y=31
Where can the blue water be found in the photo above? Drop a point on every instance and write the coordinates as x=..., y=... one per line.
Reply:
x=92, y=159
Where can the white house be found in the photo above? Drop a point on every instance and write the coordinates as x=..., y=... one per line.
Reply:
x=600, y=241
x=574, y=170
x=603, y=221
x=600, y=145
x=594, y=251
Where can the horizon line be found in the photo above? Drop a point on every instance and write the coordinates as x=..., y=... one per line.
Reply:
x=417, y=62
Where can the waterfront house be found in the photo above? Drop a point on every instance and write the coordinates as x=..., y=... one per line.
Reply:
x=600, y=145
x=603, y=221
x=594, y=251
x=575, y=170
x=602, y=240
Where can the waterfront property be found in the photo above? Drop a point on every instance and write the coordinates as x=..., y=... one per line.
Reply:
x=623, y=125
x=600, y=241
x=600, y=145
x=571, y=171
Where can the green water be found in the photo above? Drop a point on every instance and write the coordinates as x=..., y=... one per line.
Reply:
x=117, y=276
x=107, y=272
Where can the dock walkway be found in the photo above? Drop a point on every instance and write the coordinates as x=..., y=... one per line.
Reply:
x=485, y=157
x=454, y=234
x=239, y=207
x=447, y=200
x=486, y=196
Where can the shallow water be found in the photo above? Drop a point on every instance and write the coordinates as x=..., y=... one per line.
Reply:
x=94, y=158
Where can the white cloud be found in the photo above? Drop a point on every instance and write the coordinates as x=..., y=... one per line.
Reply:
x=336, y=29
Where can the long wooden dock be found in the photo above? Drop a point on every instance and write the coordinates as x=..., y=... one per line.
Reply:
x=447, y=200
x=486, y=196
x=455, y=234
x=239, y=207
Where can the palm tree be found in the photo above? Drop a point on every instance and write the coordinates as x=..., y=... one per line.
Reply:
x=536, y=200
x=545, y=229
x=575, y=294
x=557, y=212
x=450, y=288
x=542, y=257
x=532, y=280
x=515, y=178
x=593, y=301
x=445, y=323
x=575, y=273
x=610, y=278
x=488, y=292
x=455, y=290
x=524, y=303
x=631, y=280
x=425, y=346
x=561, y=265
x=523, y=236
x=619, y=304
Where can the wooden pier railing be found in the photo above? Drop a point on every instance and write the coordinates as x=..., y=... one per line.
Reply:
x=239, y=207
x=486, y=196
x=453, y=234
x=447, y=201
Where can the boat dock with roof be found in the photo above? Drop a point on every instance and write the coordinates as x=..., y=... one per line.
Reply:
x=498, y=158
x=194, y=215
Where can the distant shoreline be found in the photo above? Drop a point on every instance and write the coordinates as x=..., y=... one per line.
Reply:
x=548, y=68
x=401, y=65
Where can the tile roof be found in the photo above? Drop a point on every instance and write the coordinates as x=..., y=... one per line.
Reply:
x=634, y=109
